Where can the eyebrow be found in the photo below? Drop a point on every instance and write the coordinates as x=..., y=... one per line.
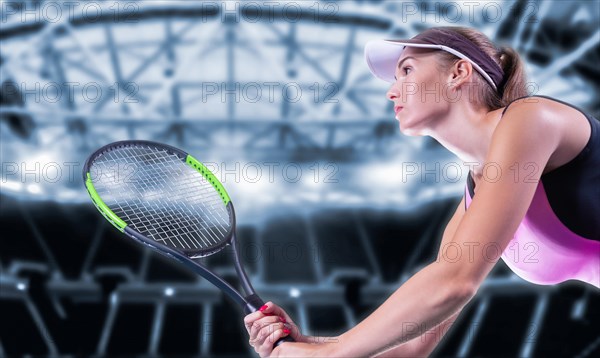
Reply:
x=404, y=59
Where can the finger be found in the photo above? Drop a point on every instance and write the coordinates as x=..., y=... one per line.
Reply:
x=294, y=332
x=263, y=324
x=267, y=347
x=273, y=309
x=263, y=335
x=264, y=310
x=251, y=318
x=278, y=334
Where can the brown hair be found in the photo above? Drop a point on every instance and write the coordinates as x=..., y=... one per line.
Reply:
x=515, y=81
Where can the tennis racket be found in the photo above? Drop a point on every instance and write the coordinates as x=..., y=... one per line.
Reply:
x=164, y=198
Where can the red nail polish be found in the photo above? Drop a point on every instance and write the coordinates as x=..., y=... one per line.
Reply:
x=286, y=331
x=264, y=307
x=282, y=319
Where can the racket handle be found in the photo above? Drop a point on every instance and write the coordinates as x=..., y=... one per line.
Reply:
x=253, y=303
x=283, y=340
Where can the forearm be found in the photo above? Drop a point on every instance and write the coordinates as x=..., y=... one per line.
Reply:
x=430, y=297
x=423, y=345
x=318, y=339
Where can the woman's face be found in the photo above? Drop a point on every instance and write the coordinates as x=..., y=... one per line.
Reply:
x=420, y=93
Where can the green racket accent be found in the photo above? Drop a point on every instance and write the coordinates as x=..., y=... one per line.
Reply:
x=194, y=163
x=102, y=208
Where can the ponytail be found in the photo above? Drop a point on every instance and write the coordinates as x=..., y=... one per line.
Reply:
x=514, y=85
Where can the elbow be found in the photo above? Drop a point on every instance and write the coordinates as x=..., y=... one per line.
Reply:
x=462, y=292
x=454, y=298
x=458, y=289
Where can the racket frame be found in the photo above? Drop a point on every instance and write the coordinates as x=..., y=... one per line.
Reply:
x=250, y=302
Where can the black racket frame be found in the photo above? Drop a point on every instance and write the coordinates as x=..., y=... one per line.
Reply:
x=250, y=302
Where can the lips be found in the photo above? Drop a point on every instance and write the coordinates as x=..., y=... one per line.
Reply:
x=397, y=109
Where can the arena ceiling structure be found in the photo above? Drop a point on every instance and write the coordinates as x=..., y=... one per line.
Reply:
x=277, y=98
x=242, y=77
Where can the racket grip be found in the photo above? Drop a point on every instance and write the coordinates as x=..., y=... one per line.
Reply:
x=253, y=303
x=283, y=340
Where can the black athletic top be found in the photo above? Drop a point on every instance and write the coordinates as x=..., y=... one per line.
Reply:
x=573, y=189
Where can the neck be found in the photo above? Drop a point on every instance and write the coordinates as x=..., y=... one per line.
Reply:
x=467, y=132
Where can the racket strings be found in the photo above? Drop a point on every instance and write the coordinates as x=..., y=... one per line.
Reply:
x=177, y=223
x=178, y=196
x=160, y=196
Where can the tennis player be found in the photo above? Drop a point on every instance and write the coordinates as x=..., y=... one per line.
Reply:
x=533, y=199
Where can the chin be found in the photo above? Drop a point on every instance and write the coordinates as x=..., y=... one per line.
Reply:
x=414, y=128
x=409, y=131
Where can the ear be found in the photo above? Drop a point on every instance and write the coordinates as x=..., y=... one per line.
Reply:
x=460, y=73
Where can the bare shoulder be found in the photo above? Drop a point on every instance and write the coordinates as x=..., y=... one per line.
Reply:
x=527, y=124
x=535, y=111
x=541, y=106
x=546, y=121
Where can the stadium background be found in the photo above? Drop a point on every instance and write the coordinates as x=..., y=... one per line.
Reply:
x=336, y=208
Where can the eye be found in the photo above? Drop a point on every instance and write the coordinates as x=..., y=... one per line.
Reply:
x=405, y=69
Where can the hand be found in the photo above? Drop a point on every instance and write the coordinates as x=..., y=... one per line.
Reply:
x=267, y=325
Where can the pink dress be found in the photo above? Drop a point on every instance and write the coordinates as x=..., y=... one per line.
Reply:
x=544, y=251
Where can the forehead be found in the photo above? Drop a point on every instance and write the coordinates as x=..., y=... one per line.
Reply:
x=420, y=54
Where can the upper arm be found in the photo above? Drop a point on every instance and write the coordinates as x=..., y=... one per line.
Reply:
x=454, y=221
x=520, y=148
x=451, y=227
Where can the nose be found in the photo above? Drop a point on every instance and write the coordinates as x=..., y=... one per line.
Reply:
x=392, y=93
